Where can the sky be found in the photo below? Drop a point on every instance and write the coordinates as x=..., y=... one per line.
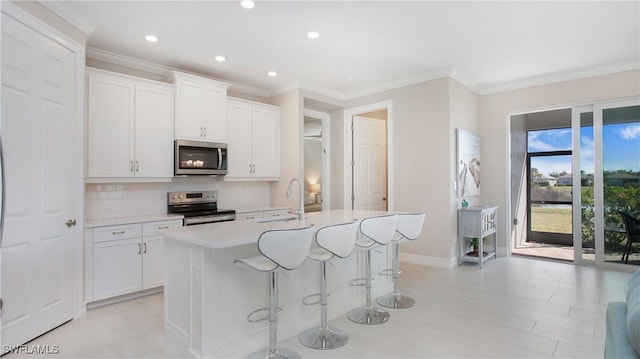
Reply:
x=621, y=148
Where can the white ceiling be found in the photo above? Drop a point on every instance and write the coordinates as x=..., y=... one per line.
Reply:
x=488, y=46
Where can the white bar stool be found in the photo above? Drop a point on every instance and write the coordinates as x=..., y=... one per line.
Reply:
x=280, y=248
x=408, y=229
x=374, y=232
x=333, y=241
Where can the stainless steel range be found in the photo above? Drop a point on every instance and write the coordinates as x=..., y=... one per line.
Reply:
x=198, y=207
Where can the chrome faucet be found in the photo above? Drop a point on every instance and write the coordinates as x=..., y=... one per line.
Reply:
x=300, y=211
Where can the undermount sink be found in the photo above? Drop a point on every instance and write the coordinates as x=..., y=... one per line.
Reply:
x=286, y=218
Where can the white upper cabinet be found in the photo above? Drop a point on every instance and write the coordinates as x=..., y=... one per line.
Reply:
x=201, y=108
x=154, y=131
x=130, y=127
x=254, y=141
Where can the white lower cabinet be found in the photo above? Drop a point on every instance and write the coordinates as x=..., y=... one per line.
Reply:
x=116, y=267
x=127, y=258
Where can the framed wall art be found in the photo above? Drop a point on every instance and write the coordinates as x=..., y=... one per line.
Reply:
x=468, y=163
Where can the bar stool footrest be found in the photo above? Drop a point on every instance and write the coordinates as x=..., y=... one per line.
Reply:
x=306, y=299
x=250, y=316
x=359, y=282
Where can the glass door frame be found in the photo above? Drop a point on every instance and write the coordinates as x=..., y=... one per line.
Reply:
x=530, y=201
x=598, y=179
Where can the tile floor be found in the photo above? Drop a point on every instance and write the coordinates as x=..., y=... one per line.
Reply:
x=514, y=308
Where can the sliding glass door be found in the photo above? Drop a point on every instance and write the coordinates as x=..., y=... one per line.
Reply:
x=608, y=142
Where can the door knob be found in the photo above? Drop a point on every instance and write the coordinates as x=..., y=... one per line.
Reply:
x=71, y=223
x=384, y=198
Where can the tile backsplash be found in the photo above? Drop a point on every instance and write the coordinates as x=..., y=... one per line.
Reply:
x=112, y=200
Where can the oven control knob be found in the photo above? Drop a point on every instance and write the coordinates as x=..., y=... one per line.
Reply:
x=180, y=196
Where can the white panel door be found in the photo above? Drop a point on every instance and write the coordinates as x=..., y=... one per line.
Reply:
x=239, y=133
x=370, y=163
x=264, y=139
x=38, y=87
x=154, y=131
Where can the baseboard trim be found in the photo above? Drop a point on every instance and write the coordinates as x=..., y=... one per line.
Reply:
x=428, y=261
x=124, y=297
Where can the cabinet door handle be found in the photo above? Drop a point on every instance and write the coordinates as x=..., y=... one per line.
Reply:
x=137, y=167
x=145, y=247
x=250, y=217
x=130, y=166
x=139, y=248
x=205, y=132
x=250, y=168
x=163, y=227
x=116, y=233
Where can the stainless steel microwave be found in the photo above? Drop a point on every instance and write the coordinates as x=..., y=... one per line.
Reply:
x=200, y=158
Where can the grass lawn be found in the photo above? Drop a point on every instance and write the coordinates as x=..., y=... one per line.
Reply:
x=554, y=220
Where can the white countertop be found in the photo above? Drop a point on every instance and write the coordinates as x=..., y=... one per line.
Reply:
x=237, y=233
x=261, y=209
x=92, y=223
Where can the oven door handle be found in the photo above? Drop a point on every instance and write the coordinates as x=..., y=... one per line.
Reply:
x=188, y=221
x=219, y=158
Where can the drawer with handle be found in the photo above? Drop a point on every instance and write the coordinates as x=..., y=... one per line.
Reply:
x=151, y=228
x=112, y=233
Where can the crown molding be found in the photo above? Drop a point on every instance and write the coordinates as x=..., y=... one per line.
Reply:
x=559, y=77
x=154, y=68
x=465, y=81
x=428, y=76
x=127, y=61
x=70, y=14
x=150, y=67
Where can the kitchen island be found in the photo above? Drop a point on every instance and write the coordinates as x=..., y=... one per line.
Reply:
x=208, y=297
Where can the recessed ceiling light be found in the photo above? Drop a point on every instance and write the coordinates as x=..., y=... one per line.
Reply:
x=151, y=38
x=247, y=4
x=221, y=58
x=272, y=73
x=313, y=35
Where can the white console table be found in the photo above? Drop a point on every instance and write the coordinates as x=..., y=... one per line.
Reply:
x=477, y=222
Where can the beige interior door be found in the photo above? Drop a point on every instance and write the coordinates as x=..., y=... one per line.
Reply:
x=38, y=77
x=369, y=163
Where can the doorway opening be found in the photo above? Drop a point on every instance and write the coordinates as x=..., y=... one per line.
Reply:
x=316, y=161
x=544, y=200
x=367, y=157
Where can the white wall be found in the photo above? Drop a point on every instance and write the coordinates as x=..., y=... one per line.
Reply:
x=421, y=157
x=464, y=112
x=291, y=147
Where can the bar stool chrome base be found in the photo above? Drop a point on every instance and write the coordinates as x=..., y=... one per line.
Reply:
x=324, y=338
x=369, y=316
x=396, y=301
x=280, y=353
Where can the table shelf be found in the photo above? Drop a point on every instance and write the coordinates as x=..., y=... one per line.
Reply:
x=477, y=222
